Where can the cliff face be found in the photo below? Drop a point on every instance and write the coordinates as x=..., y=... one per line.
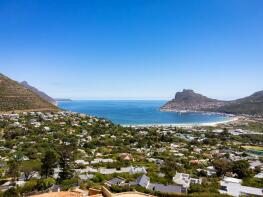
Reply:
x=39, y=93
x=188, y=100
x=14, y=97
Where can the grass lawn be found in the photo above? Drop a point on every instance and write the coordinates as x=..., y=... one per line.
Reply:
x=257, y=148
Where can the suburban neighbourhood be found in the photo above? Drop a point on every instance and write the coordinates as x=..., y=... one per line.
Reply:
x=65, y=151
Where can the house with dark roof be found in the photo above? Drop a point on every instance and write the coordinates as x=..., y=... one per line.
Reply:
x=115, y=181
x=144, y=181
x=167, y=188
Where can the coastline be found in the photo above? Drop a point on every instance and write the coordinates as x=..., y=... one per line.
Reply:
x=186, y=125
x=197, y=111
x=154, y=121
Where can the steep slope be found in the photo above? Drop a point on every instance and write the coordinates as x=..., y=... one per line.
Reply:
x=14, y=97
x=188, y=100
x=39, y=93
x=249, y=105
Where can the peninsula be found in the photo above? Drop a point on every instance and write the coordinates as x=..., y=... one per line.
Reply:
x=189, y=101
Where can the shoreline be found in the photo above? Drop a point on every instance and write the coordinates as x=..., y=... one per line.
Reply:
x=185, y=125
x=197, y=111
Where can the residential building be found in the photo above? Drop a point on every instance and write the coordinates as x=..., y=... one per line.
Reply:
x=233, y=187
x=115, y=181
x=185, y=180
x=144, y=181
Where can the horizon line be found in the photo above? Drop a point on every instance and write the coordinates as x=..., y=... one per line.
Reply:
x=116, y=99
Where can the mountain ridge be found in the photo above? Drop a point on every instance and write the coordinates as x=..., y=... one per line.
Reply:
x=188, y=100
x=39, y=93
x=16, y=97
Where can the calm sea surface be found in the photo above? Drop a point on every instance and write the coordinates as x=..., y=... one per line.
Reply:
x=136, y=112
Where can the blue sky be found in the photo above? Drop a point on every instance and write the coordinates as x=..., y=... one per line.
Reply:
x=133, y=49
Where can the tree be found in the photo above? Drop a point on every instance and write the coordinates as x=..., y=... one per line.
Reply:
x=67, y=152
x=241, y=168
x=13, y=169
x=221, y=166
x=225, y=133
x=65, y=164
x=49, y=162
x=30, y=168
x=202, y=173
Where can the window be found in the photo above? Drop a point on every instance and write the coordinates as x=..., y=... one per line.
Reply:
x=224, y=188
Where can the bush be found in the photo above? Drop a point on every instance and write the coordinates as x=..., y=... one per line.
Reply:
x=87, y=184
x=29, y=186
x=208, y=194
x=253, y=182
x=98, y=178
x=68, y=183
x=43, y=184
x=196, y=188
x=118, y=189
x=12, y=192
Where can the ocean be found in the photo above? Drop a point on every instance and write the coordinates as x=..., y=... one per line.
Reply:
x=138, y=112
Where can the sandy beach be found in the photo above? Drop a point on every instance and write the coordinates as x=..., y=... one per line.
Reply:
x=188, y=125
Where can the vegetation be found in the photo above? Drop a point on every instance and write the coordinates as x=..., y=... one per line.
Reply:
x=188, y=100
x=15, y=97
x=42, y=149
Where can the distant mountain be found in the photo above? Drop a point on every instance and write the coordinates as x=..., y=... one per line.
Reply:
x=188, y=100
x=16, y=97
x=63, y=99
x=39, y=93
x=249, y=105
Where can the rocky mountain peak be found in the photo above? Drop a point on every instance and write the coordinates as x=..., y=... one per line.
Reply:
x=188, y=100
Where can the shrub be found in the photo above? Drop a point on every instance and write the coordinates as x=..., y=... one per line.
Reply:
x=68, y=183
x=29, y=186
x=12, y=192
x=43, y=184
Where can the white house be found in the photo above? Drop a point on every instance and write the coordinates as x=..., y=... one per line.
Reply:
x=131, y=170
x=255, y=164
x=138, y=170
x=100, y=160
x=81, y=162
x=233, y=187
x=259, y=175
x=185, y=180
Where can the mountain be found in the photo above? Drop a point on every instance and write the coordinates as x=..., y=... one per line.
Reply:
x=249, y=105
x=16, y=97
x=63, y=99
x=39, y=93
x=188, y=100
